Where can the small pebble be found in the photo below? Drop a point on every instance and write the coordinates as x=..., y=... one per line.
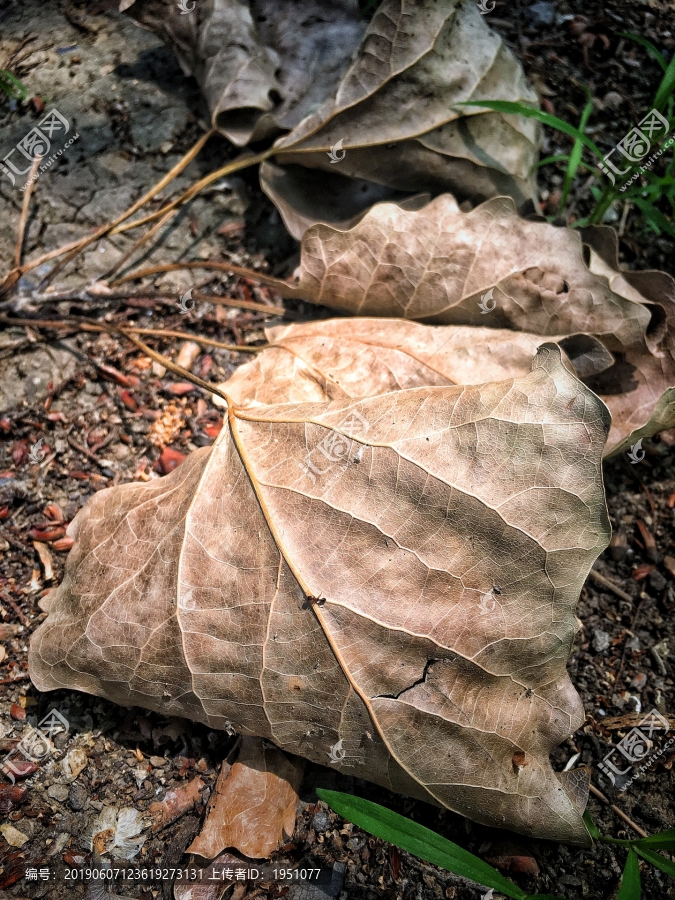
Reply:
x=540, y=14
x=321, y=821
x=77, y=796
x=58, y=792
x=600, y=640
x=639, y=681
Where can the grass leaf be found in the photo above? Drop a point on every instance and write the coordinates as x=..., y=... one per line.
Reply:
x=661, y=862
x=630, y=880
x=649, y=47
x=593, y=829
x=575, y=155
x=418, y=840
x=519, y=109
x=666, y=87
x=665, y=840
x=11, y=86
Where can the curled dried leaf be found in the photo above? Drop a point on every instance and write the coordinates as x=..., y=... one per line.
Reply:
x=385, y=585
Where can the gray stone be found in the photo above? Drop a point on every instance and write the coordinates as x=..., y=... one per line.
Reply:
x=77, y=796
x=541, y=14
x=58, y=792
x=321, y=821
x=600, y=640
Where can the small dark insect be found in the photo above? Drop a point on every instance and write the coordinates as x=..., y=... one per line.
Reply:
x=496, y=590
x=528, y=693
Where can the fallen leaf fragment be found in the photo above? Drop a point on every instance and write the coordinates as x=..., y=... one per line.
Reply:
x=175, y=804
x=509, y=856
x=13, y=836
x=8, y=631
x=74, y=762
x=45, y=559
x=253, y=806
x=318, y=577
x=63, y=545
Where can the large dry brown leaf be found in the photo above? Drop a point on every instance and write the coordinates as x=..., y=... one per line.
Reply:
x=441, y=265
x=253, y=804
x=385, y=96
x=387, y=585
x=396, y=120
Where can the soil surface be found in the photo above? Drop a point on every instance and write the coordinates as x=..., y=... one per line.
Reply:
x=82, y=411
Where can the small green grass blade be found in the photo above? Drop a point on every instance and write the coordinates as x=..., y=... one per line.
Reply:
x=575, y=155
x=519, y=109
x=11, y=86
x=661, y=862
x=664, y=840
x=418, y=840
x=630, y=888
x=649, y=47
x=666, y=87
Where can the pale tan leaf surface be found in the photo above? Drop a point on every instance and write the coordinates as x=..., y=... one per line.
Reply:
x=386, y=585
x=438, y=264
x=363, y=357
x=253, y=805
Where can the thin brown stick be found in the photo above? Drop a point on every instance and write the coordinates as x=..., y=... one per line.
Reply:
x=242, y=162
x=169, y=364
x=606, y=583
x=75, y=246
x=620, y=813
x=283, y=288
x=18, y=253
x=78, y=324
x=143, y=239
x=177, y=169
x=239, y=304
x=163, y=332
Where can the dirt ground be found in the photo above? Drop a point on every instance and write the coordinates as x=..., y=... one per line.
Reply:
x=106, y=414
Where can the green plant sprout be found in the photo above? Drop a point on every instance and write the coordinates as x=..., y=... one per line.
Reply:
x=645, y=196
x=433, y=848
x=10, y=85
